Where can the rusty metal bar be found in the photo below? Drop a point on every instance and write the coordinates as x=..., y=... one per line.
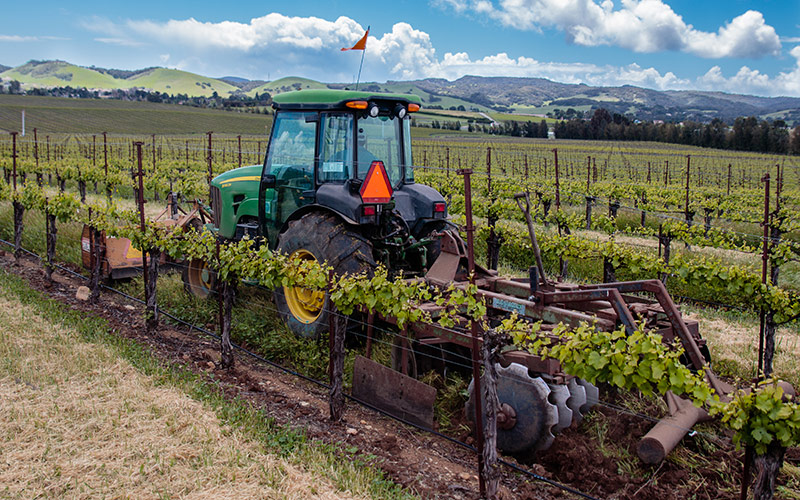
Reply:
x=476, y=371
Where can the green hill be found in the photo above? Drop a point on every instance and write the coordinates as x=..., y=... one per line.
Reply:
x=287, y=84
x=60, y=74
x=173, y=81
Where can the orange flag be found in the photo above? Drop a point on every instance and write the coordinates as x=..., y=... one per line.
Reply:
x=361, y=44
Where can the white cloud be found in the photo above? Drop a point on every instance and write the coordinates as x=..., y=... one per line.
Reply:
x=638, y=25
x=748, y=80
x=272, y=30
x=278, y=45
x=17, y=38
x=125, y=42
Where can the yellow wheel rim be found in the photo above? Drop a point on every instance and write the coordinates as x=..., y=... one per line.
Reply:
x=304, y=304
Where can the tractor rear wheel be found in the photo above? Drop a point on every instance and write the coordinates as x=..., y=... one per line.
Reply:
x=323, y=238
x=199, y=279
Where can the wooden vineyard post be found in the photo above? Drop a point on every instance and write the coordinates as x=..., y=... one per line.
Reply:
x=729, y=179
x=490, y=472
x=210, y=174
x=688, y=213
x=50, y=242
x=94, y=159
x=558, y=190
x=148, y=274
x=769, y=464
x=39, y=176
x=225, y=297
x=155, y=188
x=666, y=173
x=474, y=328
x=105, y=167
x=97, y=256
x=774, y=238
x=239, y=137
x=526, y=166
x=494, y=241
x=19, y=210
x=337, y=326
x=764, y=261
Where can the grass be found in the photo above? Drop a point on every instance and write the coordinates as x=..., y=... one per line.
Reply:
x=93, y=116
x=109, y=401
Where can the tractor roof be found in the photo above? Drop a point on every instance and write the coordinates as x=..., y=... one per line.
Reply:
x=334, y=99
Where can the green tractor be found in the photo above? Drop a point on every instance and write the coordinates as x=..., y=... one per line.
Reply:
x=337, y=186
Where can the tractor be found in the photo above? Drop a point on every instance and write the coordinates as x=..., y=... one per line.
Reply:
x=337, y=186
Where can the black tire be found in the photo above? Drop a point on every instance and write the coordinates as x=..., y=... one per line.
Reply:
x=324, y=238
x=198, y=279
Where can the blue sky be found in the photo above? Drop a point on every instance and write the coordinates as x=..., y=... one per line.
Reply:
x=737, y=46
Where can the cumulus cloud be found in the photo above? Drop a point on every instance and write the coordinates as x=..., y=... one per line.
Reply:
x=638, y=25
x=748, y=80
x=278, y=45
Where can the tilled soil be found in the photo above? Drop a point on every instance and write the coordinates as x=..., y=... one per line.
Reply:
x=426, y=464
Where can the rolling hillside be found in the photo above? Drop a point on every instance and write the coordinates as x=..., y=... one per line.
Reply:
x=63, y=74
x=534, y=96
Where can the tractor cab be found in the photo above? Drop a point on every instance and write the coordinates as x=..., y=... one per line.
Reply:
x=347, y=153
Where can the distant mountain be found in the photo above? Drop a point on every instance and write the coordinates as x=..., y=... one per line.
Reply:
x=3, y=68
x=540, y=95
x=535, y=96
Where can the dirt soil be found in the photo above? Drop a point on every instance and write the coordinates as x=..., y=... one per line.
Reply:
x=428, y=465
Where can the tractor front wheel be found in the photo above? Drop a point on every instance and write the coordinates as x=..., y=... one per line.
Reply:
x=323, y=238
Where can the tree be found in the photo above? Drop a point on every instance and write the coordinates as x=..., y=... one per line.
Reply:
x=794, y=147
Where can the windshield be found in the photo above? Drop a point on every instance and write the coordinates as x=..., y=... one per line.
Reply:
x=378, y=138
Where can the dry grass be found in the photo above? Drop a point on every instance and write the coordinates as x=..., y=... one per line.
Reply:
x=76, y=421
x=733, y=341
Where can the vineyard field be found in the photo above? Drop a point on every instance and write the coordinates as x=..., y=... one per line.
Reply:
x=53, y=115
x=701, y=221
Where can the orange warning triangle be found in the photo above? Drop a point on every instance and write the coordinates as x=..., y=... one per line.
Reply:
x=376, y=187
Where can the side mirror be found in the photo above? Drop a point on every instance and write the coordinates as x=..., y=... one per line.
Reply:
x=268, y=182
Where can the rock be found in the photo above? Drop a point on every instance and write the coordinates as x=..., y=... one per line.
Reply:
x=83, y=293
x=466, y=476
x=129, y=307
x=352, y=431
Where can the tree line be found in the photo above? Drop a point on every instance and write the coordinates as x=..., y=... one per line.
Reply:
x=241, y=102
x=746, y=134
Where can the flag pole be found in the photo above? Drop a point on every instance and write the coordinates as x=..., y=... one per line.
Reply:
x=362, y=61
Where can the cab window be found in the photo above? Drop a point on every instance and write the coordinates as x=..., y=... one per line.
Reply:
x=335, y=147
x=291, y=151
x=378, y=138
